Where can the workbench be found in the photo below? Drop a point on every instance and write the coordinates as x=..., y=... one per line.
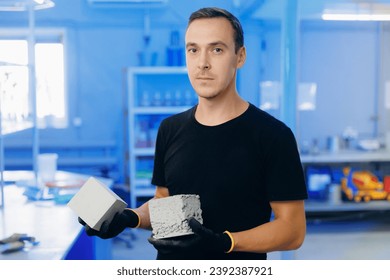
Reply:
x=54, y=225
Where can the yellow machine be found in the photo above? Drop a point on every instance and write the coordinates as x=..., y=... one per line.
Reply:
x=362, y=185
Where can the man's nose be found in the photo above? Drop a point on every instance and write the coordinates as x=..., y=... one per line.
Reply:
x=203, y=62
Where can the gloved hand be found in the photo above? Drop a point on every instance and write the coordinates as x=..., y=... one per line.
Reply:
x=109, y=229
x=204, y=239
x=175, y=244
x=215, y=242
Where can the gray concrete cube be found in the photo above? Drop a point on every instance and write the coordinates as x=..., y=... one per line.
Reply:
x=169, y=216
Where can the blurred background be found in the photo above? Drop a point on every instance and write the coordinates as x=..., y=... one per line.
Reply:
x=89, y=81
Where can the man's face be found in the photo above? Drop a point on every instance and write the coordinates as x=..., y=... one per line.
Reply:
x=211, y=59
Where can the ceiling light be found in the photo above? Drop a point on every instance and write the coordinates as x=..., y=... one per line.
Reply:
x=127, y=3
x=22, y=5
x=357, y=17
x=357, y=12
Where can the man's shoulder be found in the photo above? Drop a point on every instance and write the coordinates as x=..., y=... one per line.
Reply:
x=178, y=119
x=264, y=120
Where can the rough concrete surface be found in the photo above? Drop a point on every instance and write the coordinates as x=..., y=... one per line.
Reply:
x=169, y=216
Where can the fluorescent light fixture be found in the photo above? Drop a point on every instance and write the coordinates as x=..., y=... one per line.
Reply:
x=126, y=3
x=357, y=17
x=362, y=11
x=22, y=5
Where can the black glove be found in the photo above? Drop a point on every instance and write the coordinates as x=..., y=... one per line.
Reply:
x=175, y=244
x=215, y=242
x=109, y=229
x=204, y=239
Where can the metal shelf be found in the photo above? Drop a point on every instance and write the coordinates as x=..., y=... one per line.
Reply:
x=159, y=110
x=347, y=156
x=138, y=80
x=346, y=206
x=145, y=192
x=143, y=151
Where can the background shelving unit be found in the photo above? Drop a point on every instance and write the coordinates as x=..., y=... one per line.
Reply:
x=154, y=93
x=365, y=160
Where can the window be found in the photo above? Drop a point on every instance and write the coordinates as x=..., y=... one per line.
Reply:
x=50, y=86
x=13, y=81
x=49, y=63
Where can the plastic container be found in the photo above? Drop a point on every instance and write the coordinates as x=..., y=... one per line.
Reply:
x=47, y=166
x=335, y=196
x=387, y=144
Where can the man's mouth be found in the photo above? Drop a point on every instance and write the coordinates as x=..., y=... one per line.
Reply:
x=204, y=78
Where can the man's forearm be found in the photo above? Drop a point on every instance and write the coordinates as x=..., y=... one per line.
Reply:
x=285, y=232
x=276, y=235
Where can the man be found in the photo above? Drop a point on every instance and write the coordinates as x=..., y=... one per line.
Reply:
x=242, y=162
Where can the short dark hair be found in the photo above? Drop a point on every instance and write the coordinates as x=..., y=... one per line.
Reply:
x=213, y=12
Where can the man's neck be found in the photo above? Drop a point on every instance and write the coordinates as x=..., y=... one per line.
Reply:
x=214, y=112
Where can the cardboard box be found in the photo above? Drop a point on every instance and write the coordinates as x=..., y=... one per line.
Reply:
x=96, y=203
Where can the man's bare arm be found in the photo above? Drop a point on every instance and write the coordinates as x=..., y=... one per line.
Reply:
x=285, y=232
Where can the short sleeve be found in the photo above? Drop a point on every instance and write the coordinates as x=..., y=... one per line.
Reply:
x=158, y=178
x=284, y=173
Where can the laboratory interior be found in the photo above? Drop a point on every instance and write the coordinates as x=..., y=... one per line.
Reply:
x=85, y=84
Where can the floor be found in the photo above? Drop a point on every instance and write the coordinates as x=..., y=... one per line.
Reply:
x=340, y=236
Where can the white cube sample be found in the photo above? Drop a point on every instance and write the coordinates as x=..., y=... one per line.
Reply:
x=169, y=215
x=95, y=203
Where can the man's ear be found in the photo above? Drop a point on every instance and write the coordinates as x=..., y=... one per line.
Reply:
x=241, y=57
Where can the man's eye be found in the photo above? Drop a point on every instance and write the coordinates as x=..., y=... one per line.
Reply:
x=192, y=50
x=217, y=50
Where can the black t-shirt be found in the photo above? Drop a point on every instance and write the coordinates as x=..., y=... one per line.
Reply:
x=236, y=168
